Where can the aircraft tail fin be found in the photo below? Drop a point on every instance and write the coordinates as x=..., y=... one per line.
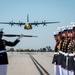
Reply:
x=27, y=18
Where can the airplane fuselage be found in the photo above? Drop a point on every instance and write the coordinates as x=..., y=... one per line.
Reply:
x=28, y=26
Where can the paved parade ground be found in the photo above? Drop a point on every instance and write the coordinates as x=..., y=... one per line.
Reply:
x=23, y=63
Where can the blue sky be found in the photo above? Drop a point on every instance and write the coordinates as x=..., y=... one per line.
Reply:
x=38, y=10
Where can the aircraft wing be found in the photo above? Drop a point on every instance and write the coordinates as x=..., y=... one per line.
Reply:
x=12, y=23
x=14, y=35
x=44, y=23
x=34, y=23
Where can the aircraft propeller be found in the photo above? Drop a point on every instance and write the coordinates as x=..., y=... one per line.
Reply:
x=44, y=23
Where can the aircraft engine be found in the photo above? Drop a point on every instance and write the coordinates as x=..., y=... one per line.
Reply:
x=44, y=24
x=11, y=23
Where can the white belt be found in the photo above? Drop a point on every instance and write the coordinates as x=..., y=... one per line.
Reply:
x=71, y=54
x=2, y=51
x=56, y=53
x=63, y=53
x=67, y=54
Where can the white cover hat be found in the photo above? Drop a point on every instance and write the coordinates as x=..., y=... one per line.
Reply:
x=55, y=33
x=1, y=30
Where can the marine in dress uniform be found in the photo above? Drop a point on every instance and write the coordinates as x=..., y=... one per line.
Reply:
x=72, y=58
x=56, y=53
x=62, y=55
x=3, y=53
x=70, y=53
x=57, y=56
x=65, y=61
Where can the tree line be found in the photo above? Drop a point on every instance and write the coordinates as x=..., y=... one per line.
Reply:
x=45, y=49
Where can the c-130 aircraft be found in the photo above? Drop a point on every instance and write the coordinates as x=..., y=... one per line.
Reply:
x=28, y=25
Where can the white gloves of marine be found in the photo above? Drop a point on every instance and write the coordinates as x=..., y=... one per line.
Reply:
x=21, y=36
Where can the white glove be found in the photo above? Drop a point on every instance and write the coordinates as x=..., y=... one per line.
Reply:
x=20, y=37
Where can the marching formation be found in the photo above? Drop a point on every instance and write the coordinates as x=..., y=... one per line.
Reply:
x=64, y=55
